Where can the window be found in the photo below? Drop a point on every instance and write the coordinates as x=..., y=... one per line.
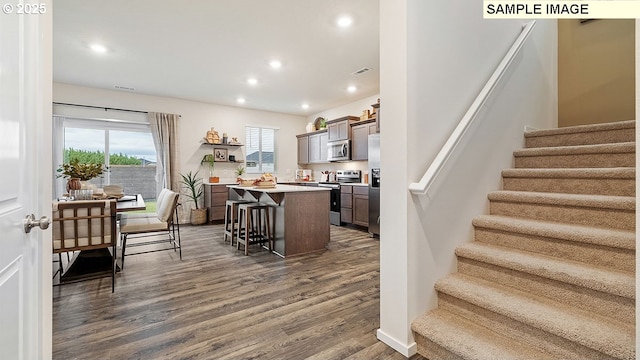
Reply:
x=260, y=146
x=126, y=148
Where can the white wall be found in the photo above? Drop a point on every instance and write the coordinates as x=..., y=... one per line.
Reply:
x=354, y=108
x=426, y=87
x=197, y=118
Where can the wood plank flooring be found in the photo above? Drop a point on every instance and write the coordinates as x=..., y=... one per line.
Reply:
x=219, y=304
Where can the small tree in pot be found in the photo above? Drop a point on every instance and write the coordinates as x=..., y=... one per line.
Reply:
x=194, y=191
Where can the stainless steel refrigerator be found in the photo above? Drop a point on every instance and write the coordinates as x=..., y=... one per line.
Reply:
x=374, y=184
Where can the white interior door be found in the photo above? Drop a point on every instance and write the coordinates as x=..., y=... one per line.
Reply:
x=25, y=123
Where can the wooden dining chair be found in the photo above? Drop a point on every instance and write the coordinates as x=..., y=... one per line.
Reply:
x=85, y=225
x=164, y=223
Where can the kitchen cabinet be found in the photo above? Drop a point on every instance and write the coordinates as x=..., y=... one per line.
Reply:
x=318, y=147
x=360, y=139
x=312, y=147
x=360, y=204
x=215, y=198
x=303, y=149
x=346, y=208
x=340, y=129
x=354, y=205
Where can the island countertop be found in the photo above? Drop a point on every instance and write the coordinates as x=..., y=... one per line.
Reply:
x=279, y=188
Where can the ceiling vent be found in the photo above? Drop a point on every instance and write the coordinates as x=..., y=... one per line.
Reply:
x=124, y=88
x=361, y=71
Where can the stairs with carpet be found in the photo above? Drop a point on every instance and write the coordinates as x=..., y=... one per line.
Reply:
x=551, y=272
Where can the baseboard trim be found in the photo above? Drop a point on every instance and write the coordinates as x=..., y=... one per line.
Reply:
x=407, y=351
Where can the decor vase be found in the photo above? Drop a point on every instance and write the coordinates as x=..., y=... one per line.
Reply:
x=74, y=184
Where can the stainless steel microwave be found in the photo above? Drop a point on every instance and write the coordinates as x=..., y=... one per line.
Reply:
x=339, y=150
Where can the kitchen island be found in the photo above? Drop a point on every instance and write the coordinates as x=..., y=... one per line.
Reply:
x=301, y=216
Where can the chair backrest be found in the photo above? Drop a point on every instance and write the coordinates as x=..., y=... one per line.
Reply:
x=83, y=224
x=166, y=205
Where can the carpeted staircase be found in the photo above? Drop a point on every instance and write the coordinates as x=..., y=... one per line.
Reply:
x=551, y=273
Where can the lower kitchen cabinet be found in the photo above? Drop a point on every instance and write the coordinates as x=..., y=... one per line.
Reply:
x=360, y=204
x=215, y=199
x=354, y=205
x=346, y=209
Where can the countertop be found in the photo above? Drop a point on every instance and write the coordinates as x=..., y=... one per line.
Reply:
x=280, y=188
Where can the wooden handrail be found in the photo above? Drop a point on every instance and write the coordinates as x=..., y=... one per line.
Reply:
x=422, y=187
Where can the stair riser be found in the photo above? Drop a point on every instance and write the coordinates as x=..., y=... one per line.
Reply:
x=593, y=186
x=617, y=219
x=562, y=348
x=596, y=255
x=617, y=307
x=626, y=159
x=431, y=350
x=584, y=138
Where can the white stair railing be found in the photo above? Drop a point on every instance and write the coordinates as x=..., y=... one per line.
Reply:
x=422, y=187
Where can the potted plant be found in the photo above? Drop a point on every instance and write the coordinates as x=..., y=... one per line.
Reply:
x=210, y=160
x=239, y=170
x=75, y=172
x=194, y=191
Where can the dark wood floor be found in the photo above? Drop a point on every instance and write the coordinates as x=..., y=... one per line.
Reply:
x=219, y=304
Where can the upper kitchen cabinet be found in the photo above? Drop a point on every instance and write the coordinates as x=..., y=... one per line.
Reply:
x=340, y=129
x=312, y=147
x=318, y=147
x=360, y=138
x=303, y=149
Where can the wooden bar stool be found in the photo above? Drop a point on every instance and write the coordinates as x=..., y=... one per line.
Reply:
x=250, y=217
x=231, y=218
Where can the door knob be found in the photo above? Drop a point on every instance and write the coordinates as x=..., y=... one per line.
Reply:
x=31, y=222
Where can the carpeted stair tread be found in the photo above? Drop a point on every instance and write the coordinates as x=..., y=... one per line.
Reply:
x=609, y=337
x=627, y=147
x=623, y=239
x=603, y=280
x=471, y=341
x=576, y=173
x=628, y=124
x=581, y=200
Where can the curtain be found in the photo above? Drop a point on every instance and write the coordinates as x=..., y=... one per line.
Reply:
x=164, y=129
x=59, y=184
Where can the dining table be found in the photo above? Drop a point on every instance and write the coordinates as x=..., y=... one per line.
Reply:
x=130, y=203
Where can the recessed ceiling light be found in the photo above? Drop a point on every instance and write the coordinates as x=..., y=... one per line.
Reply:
x=252, y=81
x=276, y=64
x=352, y=88
x=344, y=21
x=241, y=100
x=98, y=48
x=305, y=106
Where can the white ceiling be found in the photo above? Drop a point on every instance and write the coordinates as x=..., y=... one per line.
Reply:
x=205, y=50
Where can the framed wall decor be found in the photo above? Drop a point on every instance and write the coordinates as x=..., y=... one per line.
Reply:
x=220, y=154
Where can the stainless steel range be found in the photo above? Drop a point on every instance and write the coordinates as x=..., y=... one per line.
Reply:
x=342, y=177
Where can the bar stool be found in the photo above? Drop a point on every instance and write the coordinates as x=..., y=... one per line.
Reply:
x=231, y=217
x=250, y=215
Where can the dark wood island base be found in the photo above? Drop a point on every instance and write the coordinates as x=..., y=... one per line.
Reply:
x=301, y=216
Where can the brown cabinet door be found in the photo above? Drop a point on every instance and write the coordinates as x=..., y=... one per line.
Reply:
x=314, y=149
x=346, y=200
x=324, y=151
x=333, y=131
x=216, y=213
x=346, y=215
x=360, y=142
x=303, y=150
x=361, y=210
